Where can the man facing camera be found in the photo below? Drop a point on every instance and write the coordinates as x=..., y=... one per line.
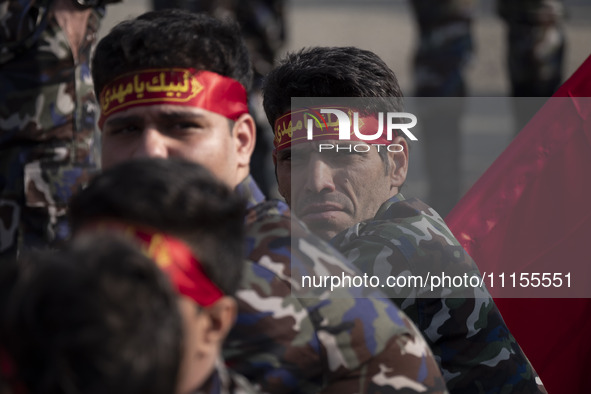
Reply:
x=344, y=184
x=191, y=225
x=174, y=84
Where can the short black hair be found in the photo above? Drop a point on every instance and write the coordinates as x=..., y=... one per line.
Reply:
x=177, y=197
x=332, y=72
x=329, y=72
x=172, y=38
x=97, y=317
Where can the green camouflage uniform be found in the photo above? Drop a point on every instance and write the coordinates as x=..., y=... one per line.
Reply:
x=475, y=350
x=293, y=340
x=48, y=141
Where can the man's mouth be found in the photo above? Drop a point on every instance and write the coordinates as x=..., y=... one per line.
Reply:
x=320, y=211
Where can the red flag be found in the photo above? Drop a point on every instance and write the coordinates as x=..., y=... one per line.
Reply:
x=531, y=213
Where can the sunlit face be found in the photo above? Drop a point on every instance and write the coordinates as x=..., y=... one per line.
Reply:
x=168, y=130
x=331, y=191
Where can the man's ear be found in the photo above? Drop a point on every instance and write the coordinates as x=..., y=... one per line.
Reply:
x=204, y=332
x=244, y=134
x=222, y=316
x=398, y=161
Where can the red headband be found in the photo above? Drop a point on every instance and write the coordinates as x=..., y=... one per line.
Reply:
x=292, y=128
x=178, y=86
x=174, y=258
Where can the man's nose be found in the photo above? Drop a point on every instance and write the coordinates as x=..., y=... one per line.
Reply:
x=320, y=177
x=152, y=144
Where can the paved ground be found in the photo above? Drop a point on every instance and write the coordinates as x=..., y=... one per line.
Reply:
x=386, y=27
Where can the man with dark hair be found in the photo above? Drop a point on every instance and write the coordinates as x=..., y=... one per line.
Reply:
x=48, y=137
x=262, y=23
x=99, y=317
x=174, y=84
x=181, y=198
x=352, y=198
x=191, y=224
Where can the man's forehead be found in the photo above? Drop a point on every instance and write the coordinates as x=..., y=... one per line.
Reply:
x=314, y=146
x=165, y=111
x=173, y=86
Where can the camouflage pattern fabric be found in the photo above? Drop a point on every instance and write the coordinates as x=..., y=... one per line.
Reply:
x=468, y=336
x=223, y=381
x=535, y=41
x=48, y=141
x=293, y=340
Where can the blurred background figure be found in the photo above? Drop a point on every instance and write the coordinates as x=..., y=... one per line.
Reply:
x=48, y=140
x=535, y=50
x=98, y=317
x=263, y=28
x=191, y=225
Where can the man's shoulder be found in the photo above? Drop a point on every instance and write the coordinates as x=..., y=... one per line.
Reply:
x=284, y=245
x=411, y=218
x=410, y=227
x=306, y=324
x=289, y=341
x=267, y=218
x=408, y=239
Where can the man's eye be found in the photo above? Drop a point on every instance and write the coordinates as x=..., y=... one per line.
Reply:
x=352, y=152
x=123, y=130
x=186, y=126
x=284, y=156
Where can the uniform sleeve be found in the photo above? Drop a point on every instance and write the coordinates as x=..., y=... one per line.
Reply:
x=465, y=331
x=308, y=339
x=405, y=365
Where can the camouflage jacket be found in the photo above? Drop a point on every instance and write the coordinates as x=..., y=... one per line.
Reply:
x=290, y=339
x=223, y=381
x=462, y=325
x=46, y=95
x=48, y=140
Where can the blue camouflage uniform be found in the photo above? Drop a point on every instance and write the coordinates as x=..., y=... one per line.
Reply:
x=463, y=327
x=288, y=339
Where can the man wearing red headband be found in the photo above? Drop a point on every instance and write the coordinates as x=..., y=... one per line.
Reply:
x=190, y=224
x=173, y=84
x=351, y=196
x=97, y=317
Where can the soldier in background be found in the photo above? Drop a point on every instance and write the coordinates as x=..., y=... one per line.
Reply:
x=48, y=140
x=191, y=226
x=535, y=51
x=174, y=84
x=262, y=23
